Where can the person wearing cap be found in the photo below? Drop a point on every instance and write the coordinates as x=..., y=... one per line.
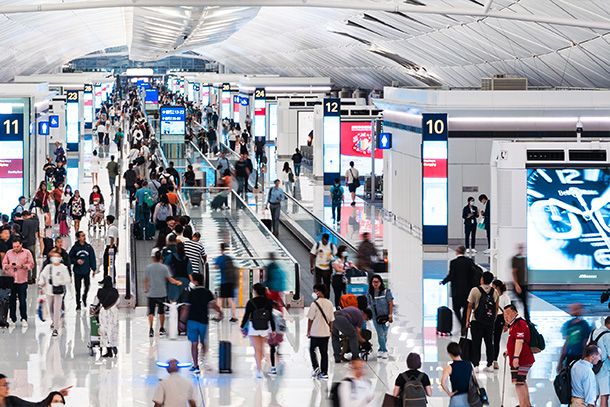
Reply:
x=175, y=390
x=274, y=200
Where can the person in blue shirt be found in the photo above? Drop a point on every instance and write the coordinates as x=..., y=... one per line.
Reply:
x=274, y=200
x=584, y=385
x=228, y=281
x=336, y=200
x=142, y=210
x=576, y=333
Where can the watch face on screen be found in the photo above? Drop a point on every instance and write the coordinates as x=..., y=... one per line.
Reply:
x=568, y=220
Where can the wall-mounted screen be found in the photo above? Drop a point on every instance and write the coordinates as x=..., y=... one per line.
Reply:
x=568, y=225
x=225, y=107
x=304, y=127
x=272, y=121
x=72, y=123
x=152, y=96
x=332, y=142
x=172, y=120
x=11, y=160
x=434, y=205
x=356, y=147
x=97, y=94
x=88, y=108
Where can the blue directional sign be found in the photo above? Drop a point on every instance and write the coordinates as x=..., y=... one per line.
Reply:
x=53, y=121
x=43, y=128
x=384, y=141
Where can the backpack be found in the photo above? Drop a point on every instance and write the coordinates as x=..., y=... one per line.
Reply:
x=148, y=199
x=260, y=318
x=486, y=310
x=349, y=300
x=154, y=143
x=563, y=384
x=413, y=391
x=290, y=177
x=536, y=343
x=336, y=193
x=334, y=392
x=163, y=213
x=598, y=366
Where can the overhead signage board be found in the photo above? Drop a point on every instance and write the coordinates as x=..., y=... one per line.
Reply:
x=173, y=121
x=152, y=96
x=88, y=110
x=435, y=203
x=260, y=112
x=384, y=141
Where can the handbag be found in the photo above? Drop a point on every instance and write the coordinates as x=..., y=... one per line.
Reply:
x=466, y=347
x=477, y=396
x=57, y=289
x=390, y=401
x=481, y=223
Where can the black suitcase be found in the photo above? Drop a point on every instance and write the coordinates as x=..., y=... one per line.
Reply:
x=224, y=357
x=444, y=321
x=267, y=223
x=196, y=198
x=48, y=245
x=137, y=231
x=218, y=202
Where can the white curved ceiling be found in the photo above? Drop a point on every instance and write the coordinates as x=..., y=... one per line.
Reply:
x=356, y=48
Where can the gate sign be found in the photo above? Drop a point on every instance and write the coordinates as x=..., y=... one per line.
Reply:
x=54, y=121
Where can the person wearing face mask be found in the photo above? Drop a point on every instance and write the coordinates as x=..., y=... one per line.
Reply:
x=54, y=279
x=320, y=319
x=339, y=280
x=55, y=399
x=13, y=401
x=470, y=213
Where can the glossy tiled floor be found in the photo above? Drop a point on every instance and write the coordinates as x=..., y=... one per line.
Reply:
x=36, y=363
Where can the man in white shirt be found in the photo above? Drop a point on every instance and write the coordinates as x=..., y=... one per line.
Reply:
x=175, y=390
x=112, y=246
x=356, y=389
x=352, y=179
x=197, y=168
x=320, y=258
x=319, y=326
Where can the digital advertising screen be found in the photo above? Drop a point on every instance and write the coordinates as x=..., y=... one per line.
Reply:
x=356, y=147
x=173, y=120
x=568, y=225
x=225, y=107
x=304, y=126
x=260, y=121
x=152, y=96
x=435, y=208
x=273, y=121
x=72, y=118
x=88, y=109
x=236, y=104
x=332, y=142
x=11, y=160
x=97, y=96
x=205, y=95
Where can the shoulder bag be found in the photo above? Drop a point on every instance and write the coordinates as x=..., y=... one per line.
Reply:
x=356, y=180
x=380, y=319
x=477, y=396
x=322, y=312
x=57, y=289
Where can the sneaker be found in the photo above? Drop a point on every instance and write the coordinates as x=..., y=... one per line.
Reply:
x=496, y=366
x=207, y=367
x=78, y=307
x=259, y=375
x=55, y=332
x=467, y=251
x=486, y=251
x=24, y=323
x=384, y=355
x=272, y=371
x=322, y=376
x=476, y=369
x=316, y=372
x=473, y=250
x=488, y=369
x=194, y=369
x=233, y=320
x=151, y=333
x=162, y=331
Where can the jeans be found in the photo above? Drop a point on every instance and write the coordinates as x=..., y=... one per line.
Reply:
x=78, y=278
x=498, y=325
x=459, y=400
x=21, y=291
x=382, y=335
x=112, y=181
x=470, y=231
x=339, y=288
x=482, y=332
x=322, y=344
x=337, y=211
x=242, y=186
x=275, y=217
x=297, y=169
x=342, y=325
x=323, y=276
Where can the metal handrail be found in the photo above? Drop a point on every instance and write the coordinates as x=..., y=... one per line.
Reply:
x=332, y=232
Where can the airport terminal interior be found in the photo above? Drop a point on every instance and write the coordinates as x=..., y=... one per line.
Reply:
x=433, y=163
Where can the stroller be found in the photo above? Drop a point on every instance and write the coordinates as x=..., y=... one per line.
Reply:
x=96, y=216
x=365, y=349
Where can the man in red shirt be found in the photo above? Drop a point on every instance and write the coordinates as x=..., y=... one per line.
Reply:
x=519, y=353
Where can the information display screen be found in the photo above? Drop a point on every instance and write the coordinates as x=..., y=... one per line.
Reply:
x=568, y=225
x=259, y=118
x=356, y=147
x=97, y=96
x=72, y=119
x=304, y=127
x=225, y=107
x=173, y=120
x=152, y=96
x=88, y=108
x=435, y=208
x=236, y=104
x=205, y=95
x=272, y=121
x=11, y=160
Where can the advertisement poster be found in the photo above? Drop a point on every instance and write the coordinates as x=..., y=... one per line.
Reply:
x=434, y=203
x=568, y=225
x=305, y=127
x=356, y=147
x=11, y=173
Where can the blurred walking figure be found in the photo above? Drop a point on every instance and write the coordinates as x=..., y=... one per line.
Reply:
x=275, y=282
x=519, y=265
x=367, y=253
x=256, y=323
x=228, y=280
x=174, y=390
x=576, y=334
x=601, y=337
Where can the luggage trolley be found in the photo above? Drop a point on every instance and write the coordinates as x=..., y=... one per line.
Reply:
x=94, y=338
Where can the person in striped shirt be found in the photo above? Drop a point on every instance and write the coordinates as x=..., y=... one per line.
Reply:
x=194, y=250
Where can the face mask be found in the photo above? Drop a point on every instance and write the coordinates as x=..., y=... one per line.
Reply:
x=55, y=260
x=344, y=254
x=95, y=190
x=471, y=203
x=57, y=405
x=314, y=296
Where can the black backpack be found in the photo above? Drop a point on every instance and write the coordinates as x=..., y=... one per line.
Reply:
x=598, y=366
x=563, y=384
x=413, y=391
x=260, y=318
x=486, y=310
x=334, y=392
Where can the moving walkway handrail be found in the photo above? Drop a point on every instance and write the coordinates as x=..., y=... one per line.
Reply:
x=330, y=230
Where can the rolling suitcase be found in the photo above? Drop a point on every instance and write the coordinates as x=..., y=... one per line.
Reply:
x=218, y=202
x=137, y=231
x=444, y=321
x=63, y=228
x=150, y=230
x=224, y=357
x=267, y=223
x=196, y=198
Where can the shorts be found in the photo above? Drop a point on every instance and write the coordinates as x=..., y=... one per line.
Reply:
x=196, y=331
x=156, y=303
x=351, y=187
x=227, y=290
x=519, y=374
